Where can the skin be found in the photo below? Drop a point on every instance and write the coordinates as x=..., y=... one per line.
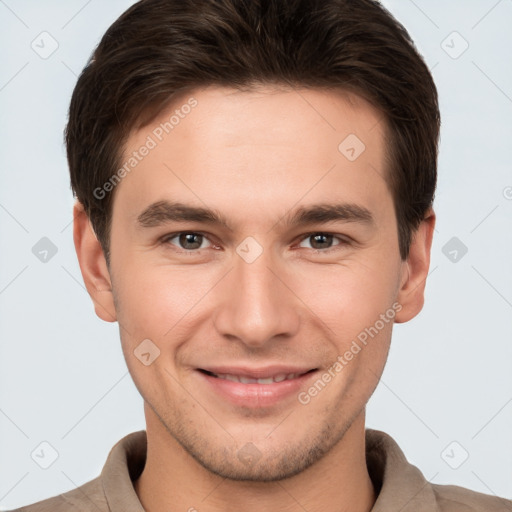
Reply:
x=255, y=157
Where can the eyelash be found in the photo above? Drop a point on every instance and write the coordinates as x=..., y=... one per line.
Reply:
x=343, y=241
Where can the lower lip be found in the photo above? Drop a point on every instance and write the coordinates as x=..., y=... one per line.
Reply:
x=256, y=395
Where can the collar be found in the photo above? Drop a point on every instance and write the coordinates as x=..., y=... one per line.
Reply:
x=400, y=486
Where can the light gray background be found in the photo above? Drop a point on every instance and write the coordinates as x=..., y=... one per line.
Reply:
x=63, y=378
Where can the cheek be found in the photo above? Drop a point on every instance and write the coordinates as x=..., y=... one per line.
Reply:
x=152, y=302
x=347, y=297
x=155, y=299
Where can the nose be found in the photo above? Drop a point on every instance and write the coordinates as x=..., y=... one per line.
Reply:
x=256, y=303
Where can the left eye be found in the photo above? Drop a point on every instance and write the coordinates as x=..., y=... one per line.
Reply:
x=323, y=241
x=187, y=240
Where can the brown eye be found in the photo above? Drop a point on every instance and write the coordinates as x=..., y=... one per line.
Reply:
x=323, y=241
x=186, y=240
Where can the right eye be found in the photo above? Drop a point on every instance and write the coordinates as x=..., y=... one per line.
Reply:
x=188, y=240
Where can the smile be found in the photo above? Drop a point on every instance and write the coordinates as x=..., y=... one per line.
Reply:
x=250, y=391
x=249, y=380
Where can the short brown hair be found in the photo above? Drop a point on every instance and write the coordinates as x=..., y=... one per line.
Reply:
x=159, y=49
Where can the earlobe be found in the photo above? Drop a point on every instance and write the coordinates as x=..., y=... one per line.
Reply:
x=93, y=265
x=415, y=270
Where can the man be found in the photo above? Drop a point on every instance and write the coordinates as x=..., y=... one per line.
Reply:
x=254, y=184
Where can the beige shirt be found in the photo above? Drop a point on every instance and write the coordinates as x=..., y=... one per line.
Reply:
x=400, y=486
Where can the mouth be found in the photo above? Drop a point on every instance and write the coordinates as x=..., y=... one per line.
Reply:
x=255, y=389
x=246, y=379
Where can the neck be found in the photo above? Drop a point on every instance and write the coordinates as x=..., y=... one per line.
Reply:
x=173, y=480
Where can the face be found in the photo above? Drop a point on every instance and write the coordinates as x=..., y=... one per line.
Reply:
x=282, y=258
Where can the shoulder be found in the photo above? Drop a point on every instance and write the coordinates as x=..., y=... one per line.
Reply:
x=402, y=486
x=87, y=497
x=452, y=498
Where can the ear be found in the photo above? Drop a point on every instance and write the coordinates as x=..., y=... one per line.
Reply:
x=415, y=270
x=93, y=265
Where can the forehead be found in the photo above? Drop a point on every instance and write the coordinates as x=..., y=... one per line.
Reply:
x=235, y=150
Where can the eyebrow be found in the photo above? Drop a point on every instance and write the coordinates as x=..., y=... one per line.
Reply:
x=161, y=212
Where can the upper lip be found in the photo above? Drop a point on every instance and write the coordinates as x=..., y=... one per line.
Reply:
x=257, y=373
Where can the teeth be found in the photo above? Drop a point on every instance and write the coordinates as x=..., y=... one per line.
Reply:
x=268, y=380
x=245, y=380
